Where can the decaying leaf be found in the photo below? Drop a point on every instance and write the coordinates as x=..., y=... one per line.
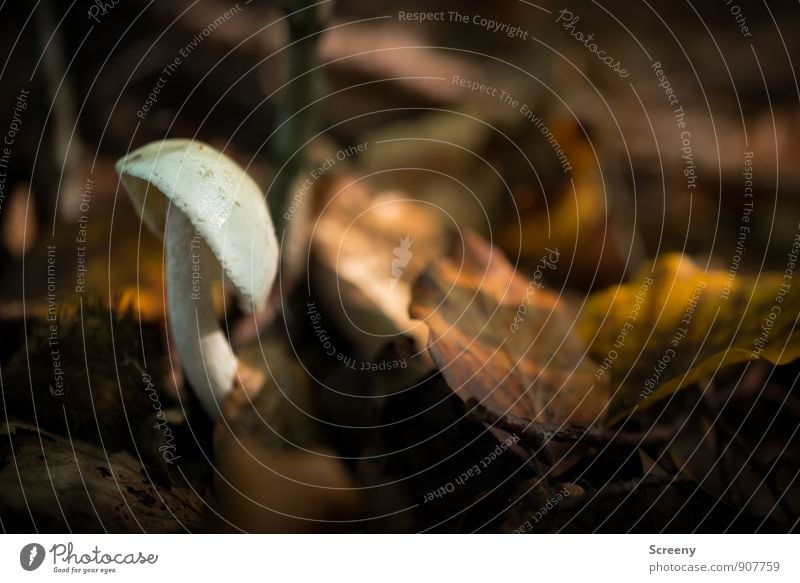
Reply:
x=50, y=483
x=370, y=248
x=494, y=336
x=675, y=324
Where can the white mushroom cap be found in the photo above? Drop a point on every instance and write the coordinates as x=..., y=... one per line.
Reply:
x=223, y=203
x=215, y=199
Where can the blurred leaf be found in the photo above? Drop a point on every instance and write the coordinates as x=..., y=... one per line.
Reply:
x=494, y=337
x=448, y=159
x=370, y=248
x=675, y=324
x=574, y=215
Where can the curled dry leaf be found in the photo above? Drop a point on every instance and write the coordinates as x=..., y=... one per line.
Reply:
x=675, y=324
x=495, y=338
x=50, y=483
x=370, y=249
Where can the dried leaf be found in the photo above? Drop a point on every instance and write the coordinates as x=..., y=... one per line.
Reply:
x=675, y=324
x=495, y=337
x=371, y=247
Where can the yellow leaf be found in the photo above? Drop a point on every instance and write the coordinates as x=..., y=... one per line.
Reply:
x=675, y=324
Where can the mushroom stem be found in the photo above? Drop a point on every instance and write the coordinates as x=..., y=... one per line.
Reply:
x=207, y=357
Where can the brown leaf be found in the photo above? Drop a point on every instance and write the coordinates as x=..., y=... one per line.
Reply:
x=370, y=248
x=494, y=337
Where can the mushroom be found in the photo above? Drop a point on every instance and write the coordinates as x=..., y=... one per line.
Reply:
x=211, y=215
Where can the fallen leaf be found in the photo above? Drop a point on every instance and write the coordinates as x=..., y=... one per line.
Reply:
x=497, y=338
x=675, y=324
x=370, y=247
